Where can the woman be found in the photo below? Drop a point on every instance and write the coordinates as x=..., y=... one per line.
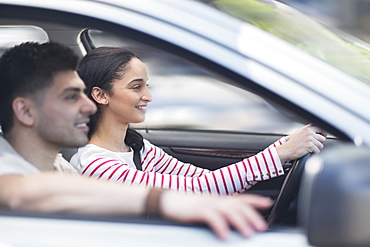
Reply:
x=116, y=81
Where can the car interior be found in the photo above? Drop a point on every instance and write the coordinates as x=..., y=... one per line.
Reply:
x=216, y=118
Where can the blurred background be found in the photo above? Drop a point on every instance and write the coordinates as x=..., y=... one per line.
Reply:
x=350, y=16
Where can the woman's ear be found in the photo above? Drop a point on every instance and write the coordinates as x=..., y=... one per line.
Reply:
x=24, y=111
x=99, y=95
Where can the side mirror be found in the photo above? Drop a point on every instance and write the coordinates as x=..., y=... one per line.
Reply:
x=334, y=202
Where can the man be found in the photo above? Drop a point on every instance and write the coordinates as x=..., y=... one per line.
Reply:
x=44, y=108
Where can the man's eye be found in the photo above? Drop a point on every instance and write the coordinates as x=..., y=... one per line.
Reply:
x=72, y=97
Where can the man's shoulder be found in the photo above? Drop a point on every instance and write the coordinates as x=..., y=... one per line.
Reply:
x=11, y=162
x=5, y=146
x=63, y=166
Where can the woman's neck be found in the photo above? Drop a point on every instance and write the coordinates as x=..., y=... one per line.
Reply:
x=111, y=137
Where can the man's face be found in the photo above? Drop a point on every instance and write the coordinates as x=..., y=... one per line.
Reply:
x=64, y=112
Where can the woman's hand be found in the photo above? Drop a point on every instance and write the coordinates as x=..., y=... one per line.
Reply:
x=219, y=212
x=308, y=139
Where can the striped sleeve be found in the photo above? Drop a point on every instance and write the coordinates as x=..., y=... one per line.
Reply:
x=279, y=142
x=164, y=171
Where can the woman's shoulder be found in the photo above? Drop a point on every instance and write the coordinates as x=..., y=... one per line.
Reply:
x=90, y=148
x=88, y=152
x=148, y=145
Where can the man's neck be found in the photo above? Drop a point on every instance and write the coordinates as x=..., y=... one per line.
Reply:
x=32, y=149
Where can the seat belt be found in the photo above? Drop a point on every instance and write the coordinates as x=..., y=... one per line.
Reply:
x=137, y=160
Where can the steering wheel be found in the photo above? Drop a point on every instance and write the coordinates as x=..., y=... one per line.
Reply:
x=288, y=192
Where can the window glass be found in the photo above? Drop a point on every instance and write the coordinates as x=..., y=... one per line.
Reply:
x=14, y=35
x=186, y=96
x=338, y=49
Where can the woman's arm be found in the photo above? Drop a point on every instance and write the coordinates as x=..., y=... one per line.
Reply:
x=226, y=180
x=163, y=171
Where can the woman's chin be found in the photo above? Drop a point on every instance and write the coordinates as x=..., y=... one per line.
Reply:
x=138, y=121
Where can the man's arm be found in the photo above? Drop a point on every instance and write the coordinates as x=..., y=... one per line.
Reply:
x=49, y=192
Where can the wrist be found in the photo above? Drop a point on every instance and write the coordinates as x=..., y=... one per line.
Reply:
x=153, y=202
x=282, y=155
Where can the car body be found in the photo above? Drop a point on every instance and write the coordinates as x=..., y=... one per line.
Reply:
x=196, y=45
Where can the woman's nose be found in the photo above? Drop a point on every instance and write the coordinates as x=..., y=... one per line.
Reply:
x=147, y=96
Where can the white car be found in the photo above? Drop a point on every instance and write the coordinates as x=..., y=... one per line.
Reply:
x=228, y=78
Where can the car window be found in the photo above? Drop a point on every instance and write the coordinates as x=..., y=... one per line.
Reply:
x=187, y=96
x=14, y=35
x=345, y=52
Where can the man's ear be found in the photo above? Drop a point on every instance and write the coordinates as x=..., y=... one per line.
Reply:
x=23, y=109
x=100, y=95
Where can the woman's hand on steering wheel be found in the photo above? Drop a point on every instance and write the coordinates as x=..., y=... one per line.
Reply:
x=308, y=139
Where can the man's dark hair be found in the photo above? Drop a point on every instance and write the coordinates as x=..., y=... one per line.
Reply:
x=27, y=69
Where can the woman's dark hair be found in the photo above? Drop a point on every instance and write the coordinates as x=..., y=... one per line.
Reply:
x=99, y=68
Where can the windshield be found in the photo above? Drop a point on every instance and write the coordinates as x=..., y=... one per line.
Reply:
x=337, y=49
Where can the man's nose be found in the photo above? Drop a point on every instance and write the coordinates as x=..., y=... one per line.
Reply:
x=89, y=106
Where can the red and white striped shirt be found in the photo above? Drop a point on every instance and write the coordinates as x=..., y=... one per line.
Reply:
x=164, y=171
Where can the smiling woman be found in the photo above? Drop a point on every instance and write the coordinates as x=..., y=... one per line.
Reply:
x=189, y=97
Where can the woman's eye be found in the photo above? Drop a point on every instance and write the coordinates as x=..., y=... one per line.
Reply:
x=136, y=87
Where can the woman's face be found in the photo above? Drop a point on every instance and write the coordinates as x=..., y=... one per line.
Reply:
x=130, y=94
